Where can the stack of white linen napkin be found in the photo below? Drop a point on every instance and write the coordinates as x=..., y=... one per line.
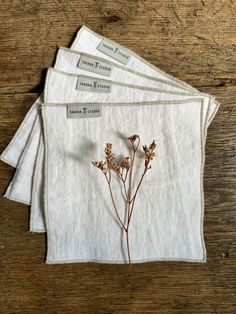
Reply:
x=100, y=93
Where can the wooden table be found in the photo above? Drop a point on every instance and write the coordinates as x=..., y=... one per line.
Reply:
x=192, y=40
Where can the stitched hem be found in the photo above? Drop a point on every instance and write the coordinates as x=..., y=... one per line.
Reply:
x=45, y=180
x=20, y=128
x=124, y=68
x=172, y=78
x=7, y=161
x=115, y=83
x=48, y=261
x=214, y=113
x=202, y=137
x=9, y=191
x=16, y=200
x=36, y=231
x=126, y=262
x=163, y=102
x=35, y=177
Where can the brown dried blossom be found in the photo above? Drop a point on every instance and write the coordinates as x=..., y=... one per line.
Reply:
x=149, y=152
x=116, y=167
x=127, y=163
x=133, y=138
x=109, y=155
x=101, y=165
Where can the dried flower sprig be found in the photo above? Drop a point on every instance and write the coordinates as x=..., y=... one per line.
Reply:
x=124, y=170
x=149, y=153
x=101, y=165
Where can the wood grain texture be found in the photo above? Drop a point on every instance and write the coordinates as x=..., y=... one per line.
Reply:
x=193, y=40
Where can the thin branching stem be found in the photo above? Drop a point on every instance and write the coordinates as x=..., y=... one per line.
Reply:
x=128, y=247
x=113, y=202
x=135, y=194
x=124, y=186
x=138, y=186
x=126, y=194
x=120, y=176
x=128, y=166
x=130, y=178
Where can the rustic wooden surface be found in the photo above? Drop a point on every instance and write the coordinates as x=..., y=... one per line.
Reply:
x=196, y=42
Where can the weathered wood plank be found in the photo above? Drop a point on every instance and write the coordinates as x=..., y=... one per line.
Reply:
x=149, y=288
x=193, y=40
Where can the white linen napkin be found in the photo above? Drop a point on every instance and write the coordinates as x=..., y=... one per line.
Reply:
x=76, y=62
x=37, y=217
x=89, y=42
x=20, y=188
x=68, y=61
x=26, y=176
x=168, y=217
x=14, y=150
x=28, y=151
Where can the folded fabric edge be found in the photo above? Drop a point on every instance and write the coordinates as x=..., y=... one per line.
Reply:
x=204, y=260
x=15, y=199
x=37, y=231
x=11, y=144
x=7, y=161
x=181, y=83
x=218, y=104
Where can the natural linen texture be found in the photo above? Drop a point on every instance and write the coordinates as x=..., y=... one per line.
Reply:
x=21, y=187
x=80, y=222
x=89, y=42
x=155, y=93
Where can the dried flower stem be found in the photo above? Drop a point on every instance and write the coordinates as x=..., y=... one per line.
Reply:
x=119, y=169
x=128, y=248
x=133, y=198
x=113, y=202
x=134, y=149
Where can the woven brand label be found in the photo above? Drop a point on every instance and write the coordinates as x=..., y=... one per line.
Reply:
x=95, y=66
x=114, y=51
x=84, y=111
x=91, y=85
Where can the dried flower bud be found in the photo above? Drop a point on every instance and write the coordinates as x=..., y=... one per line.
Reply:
x=108, y=151
x=100, y=164
x=153, y=145
x=116, y=167
x=133, y=138
x=126, y=163
x=149, y=153
x=145, y=148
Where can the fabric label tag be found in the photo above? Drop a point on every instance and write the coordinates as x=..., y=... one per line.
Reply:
x=91, y=85
x=114, y=51
x=92, y=65
x=84, y=111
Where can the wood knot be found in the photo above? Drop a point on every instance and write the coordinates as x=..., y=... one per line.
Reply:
x=225, y=254
x=113, y=18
